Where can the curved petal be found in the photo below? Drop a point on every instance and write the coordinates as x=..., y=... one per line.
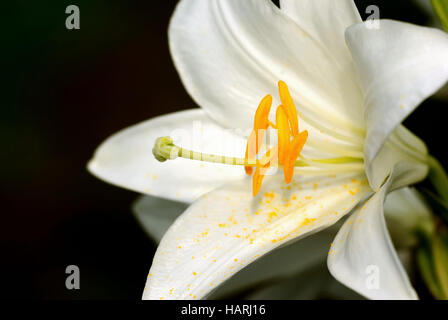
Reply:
x=156, y=215
x=125, y=159
x=326, y=21
x=231, y=53
x=362, y=255
x=228, y=229
x=399, y=65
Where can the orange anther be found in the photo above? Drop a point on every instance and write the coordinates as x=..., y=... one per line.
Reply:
x=295, y=147
x=290, y=107
x=287, y=151
x=284, y=135
x=262, y=114
x=268, y=161
x=261, y=123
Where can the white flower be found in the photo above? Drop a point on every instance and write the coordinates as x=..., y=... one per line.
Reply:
x=351, y=97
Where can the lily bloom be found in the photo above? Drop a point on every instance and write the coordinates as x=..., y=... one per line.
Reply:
x=351, y=86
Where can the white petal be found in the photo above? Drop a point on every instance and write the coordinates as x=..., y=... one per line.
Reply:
x=126, y=158
x=362, y=255
x=400, y=65
x=156, y=215
x=405, y=211
x=228, y=229
x=326, y=21
x=231, y=53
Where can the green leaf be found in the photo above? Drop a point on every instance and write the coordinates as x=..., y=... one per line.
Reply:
x=441, y=9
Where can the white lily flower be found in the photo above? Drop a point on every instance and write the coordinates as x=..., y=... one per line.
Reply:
x=352, y=86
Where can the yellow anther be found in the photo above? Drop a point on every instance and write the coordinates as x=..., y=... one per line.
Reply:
x=262, y=114
x=284, y=135
x=268, y=161
x=290, y=107
x=261, y=123
x=287, y=151
x=295, y=147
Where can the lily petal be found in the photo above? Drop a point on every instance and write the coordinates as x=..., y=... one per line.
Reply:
x=362, y=255
x=230, y=53
x=400, y=65
x=126, y=159
x=326, y=21
x=228, y=229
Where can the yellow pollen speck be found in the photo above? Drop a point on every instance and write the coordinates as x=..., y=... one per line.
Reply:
x=222, y=225
x=236, y=260
x=308, y=197
x=307, y=221
x=269, y=194
x=180, y=247
x=194, y=273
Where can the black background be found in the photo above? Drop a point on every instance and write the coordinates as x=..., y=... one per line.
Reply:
x=63, y=93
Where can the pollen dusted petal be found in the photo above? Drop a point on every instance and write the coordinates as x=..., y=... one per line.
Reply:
x=290, y=107
x=295, y=148
x=218, y=229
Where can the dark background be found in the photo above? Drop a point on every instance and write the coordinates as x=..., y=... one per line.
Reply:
x=64, y=92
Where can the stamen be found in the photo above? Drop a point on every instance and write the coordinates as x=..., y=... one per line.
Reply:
x=261, y=123
x=290, y=108
x=270, y=160
x=284, y=135
x=295, y=148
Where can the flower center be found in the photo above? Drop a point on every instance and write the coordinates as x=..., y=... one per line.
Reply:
x=286, y=153
x=290, y=140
